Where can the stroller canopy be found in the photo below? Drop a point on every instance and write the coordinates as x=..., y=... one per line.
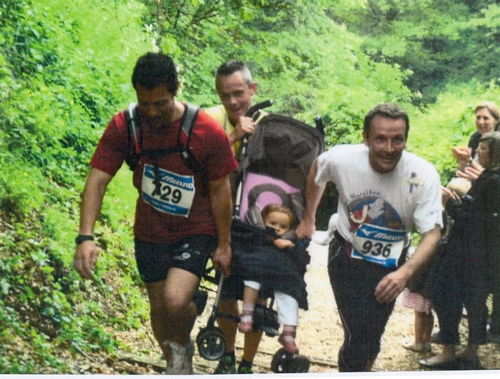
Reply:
x=283, y=148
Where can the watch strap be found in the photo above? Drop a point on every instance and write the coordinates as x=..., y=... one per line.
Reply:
x=81, y=237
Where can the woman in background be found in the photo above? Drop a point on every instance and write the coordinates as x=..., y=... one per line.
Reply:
x=469, y=266
x=487, y=120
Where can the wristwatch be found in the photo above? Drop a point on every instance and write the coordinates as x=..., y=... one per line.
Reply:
x=81, y=237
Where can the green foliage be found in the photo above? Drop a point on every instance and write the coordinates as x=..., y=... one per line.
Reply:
x=62, y=75
x=439, y=41
x=65, y=70
x=290, y=51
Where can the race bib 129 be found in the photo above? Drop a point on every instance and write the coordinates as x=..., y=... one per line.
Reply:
x=378, y=244
x=174, y=194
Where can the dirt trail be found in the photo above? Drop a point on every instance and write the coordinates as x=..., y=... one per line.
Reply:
x=320, y=332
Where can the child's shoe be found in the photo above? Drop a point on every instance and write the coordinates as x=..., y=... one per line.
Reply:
x=246, y=323
x=287, y=340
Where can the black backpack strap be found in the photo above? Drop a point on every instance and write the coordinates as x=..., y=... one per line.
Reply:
x=135, y=143
x=190, y=115
x=134, y=136
x=189, y=119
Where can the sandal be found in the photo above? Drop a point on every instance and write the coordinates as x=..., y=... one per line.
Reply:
x=287, y=340
x=246, y=324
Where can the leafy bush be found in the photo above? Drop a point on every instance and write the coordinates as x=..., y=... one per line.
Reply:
x=54, y=103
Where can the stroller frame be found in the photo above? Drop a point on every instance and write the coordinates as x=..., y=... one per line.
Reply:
x=210, y=339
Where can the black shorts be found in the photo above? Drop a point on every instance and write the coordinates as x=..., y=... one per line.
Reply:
x=190, y=254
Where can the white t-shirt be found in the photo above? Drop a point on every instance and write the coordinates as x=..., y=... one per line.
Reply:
x=377, y=211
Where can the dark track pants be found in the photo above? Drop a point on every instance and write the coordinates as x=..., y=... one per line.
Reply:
x=450, y=293
x=363, y=317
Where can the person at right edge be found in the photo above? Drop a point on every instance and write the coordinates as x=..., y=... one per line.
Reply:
x=383, y=192
x=467, y=266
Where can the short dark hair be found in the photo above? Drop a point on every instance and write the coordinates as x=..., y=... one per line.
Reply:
x=492, y=139
x=230, y=67
x=155, y=69
x=388, y=110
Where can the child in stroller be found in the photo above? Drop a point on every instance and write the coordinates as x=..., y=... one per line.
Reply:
x=280, y=219
x=273, y=170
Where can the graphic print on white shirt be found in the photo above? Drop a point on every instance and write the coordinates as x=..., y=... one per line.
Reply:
x=378, y=232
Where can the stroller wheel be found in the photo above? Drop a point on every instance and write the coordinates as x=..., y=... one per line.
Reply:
x=280, y=363
x=285, y=362
x=211, y=343
x=300, y=364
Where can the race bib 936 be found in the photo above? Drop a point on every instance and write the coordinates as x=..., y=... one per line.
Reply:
x=379, y=245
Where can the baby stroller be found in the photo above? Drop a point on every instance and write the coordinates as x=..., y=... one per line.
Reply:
x=273, y=170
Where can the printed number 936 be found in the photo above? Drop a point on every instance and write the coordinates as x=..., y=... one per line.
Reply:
x=376, y=249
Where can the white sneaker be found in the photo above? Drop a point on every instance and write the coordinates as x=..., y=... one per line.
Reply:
x=181, y=358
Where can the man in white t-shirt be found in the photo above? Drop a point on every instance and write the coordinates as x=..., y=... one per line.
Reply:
x=384, y=191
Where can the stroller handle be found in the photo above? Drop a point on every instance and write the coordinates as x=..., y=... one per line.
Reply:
x=318, y=122
x=244, y=146
x=258, y=107
x=251, y=111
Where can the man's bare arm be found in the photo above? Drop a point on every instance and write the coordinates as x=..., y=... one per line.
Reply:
x=220, y=198
x=86, y=253
x=314, y=192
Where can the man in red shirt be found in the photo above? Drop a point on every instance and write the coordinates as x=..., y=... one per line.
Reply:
x=176, y=227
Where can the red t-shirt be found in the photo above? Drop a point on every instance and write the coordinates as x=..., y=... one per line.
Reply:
x=210, y=146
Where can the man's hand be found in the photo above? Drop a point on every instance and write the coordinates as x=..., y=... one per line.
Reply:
x=245, y=125
x=305, y=230
x=220, y=199
x=394, y=283
x=221, y=259
x=86, y=252
x=391, y=286
x=85, y=259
